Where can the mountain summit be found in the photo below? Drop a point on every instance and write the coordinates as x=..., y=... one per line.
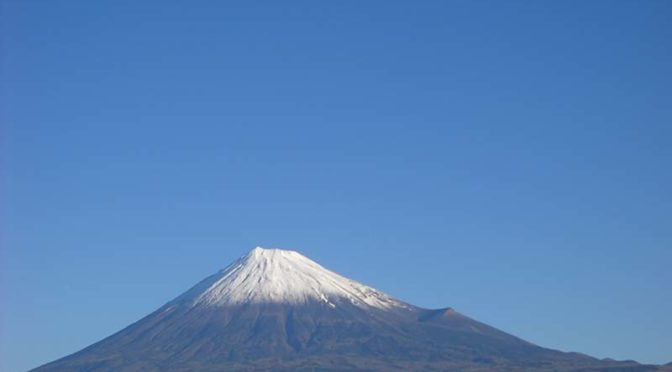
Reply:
x=282, y=276
x=276, y=309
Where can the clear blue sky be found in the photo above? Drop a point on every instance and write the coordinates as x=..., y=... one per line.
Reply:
x=512, y=160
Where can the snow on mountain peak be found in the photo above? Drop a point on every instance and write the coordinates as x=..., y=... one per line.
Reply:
x=282, y=276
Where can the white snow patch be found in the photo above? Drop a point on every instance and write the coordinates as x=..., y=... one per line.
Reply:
x=282, y=276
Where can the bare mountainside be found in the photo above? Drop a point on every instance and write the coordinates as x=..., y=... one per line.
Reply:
x=278, y=310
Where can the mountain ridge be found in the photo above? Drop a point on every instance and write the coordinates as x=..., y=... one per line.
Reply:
x=277, y=309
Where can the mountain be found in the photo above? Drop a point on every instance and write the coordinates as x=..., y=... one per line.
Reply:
x=275, y=309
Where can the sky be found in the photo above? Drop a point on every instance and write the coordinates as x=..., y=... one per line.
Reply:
x=509, y=159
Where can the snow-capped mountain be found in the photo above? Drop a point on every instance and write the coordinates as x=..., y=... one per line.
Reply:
x=275, y=309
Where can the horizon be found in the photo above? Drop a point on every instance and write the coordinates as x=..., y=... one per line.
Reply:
x=510, y=161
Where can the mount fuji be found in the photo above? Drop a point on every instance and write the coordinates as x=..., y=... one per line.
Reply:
x=275, y=309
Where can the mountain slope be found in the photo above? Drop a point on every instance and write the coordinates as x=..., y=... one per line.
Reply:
x=276, y=309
